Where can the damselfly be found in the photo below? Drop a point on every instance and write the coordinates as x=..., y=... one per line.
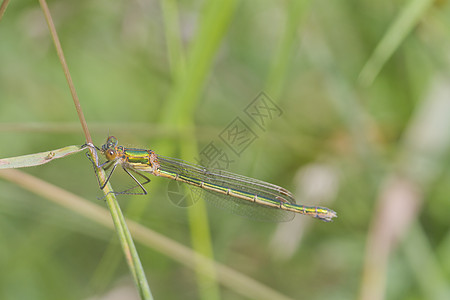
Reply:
x=243, y=195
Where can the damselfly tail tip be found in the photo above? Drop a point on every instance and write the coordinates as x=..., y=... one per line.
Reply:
x=326, y=215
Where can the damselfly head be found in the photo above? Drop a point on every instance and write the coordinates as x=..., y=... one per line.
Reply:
x=111, y=142
x=109, y=148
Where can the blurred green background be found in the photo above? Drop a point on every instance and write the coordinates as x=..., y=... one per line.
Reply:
x=364, y=89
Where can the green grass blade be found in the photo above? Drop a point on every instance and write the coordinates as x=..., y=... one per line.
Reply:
x=430, y=275
x=189, y=80
x=394, y=36
x=173, y=36
x=128, y=247
x=212, y=27
x=289, y=43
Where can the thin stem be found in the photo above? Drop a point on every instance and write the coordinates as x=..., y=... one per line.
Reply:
x=3, y=8
x=125, y=238
x=62, y=59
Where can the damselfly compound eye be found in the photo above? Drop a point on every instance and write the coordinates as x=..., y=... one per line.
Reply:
x=110, y=154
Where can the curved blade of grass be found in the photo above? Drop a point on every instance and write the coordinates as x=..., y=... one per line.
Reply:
x=37, y=159
x=396, y=33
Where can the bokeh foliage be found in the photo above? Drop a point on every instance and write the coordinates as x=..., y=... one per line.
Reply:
x=339, y=139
